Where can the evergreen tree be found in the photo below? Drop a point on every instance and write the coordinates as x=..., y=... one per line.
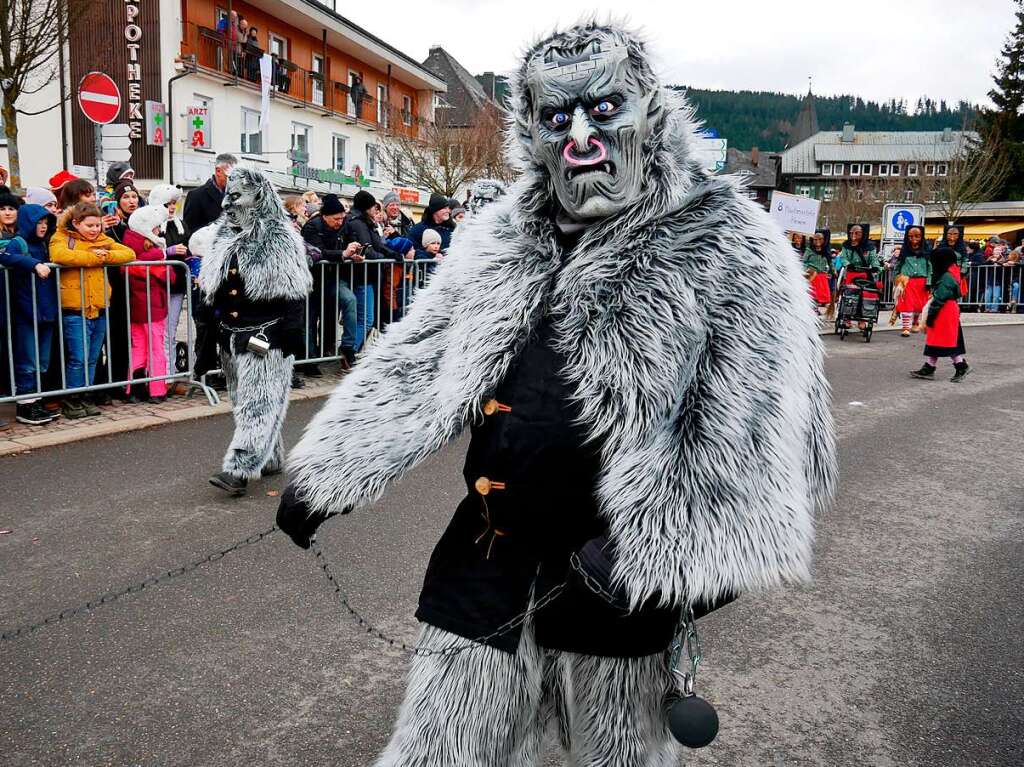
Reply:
x=765, y=119
x=1006, y=123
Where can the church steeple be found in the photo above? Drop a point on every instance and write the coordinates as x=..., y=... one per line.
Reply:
x=806, y=124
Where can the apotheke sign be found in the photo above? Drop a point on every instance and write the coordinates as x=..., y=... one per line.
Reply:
x=133, y=38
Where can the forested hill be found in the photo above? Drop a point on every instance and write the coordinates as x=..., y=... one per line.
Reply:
x=764, y=119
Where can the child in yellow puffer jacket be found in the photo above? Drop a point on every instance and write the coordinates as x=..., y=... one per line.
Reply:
x=84, y=293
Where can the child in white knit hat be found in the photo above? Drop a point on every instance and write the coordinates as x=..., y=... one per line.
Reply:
x=431, y=242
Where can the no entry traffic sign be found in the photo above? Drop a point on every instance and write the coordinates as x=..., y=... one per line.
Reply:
x=99, y=98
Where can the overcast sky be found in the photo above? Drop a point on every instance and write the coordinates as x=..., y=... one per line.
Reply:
x=877, y=49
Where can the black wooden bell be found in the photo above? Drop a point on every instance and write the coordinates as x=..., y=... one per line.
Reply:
x=692, y=720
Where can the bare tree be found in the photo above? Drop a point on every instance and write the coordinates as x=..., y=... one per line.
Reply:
x=860, y=202
x=975, y=173
x=32, y=32
x=444, y=158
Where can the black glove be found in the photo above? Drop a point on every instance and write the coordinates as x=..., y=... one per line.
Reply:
x=595, y=558
x=296, y=522
x=593, y=565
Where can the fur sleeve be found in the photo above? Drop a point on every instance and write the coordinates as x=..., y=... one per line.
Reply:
x=729, y=485
x=388, y=413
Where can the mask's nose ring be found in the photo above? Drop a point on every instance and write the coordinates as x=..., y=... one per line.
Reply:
x=569, y=153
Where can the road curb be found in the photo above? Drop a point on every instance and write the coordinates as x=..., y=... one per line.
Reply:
x=94, y=429
x=827, y=329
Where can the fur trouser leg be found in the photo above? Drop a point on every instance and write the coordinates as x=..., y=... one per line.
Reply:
x=611, y=711
x=479, y=708
x=258, y=387
x=486, y=708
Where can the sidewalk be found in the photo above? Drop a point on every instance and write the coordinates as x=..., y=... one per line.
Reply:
x=967, y=319
x=121, y=417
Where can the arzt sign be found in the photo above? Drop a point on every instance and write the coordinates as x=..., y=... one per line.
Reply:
x=156, y=124
x=197, y=119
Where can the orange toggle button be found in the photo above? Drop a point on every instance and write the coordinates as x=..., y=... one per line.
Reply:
x=493, y=406
x=485, y=485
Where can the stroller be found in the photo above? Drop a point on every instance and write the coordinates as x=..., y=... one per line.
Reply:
x=857, y=302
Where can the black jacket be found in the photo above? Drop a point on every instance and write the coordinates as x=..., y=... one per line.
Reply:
x=517, y=535
x=359, y=228
x=203, y=206
x=319, y=235
x=175, y=236
x=326, y=275
x=234, y=309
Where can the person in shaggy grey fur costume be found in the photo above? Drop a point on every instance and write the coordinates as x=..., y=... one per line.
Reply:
x=643, y=441
x=254, y=275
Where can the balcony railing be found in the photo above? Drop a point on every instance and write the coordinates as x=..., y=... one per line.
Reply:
x=240, y=65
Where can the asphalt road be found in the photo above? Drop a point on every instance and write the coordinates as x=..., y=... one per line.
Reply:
x=906, y=649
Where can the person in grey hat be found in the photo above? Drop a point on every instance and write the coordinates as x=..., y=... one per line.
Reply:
x=116, y=173
x=396, y=223
x=37, y=195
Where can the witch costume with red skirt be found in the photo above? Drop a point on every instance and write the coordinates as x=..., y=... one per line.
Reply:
x=945, y=334
x=820, y=261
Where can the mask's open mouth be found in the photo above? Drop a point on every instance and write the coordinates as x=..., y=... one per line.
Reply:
x=582, y=170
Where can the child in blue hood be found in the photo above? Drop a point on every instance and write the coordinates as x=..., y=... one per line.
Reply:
x=33, y=300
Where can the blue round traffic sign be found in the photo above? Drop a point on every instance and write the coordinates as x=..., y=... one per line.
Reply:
x=901, y=219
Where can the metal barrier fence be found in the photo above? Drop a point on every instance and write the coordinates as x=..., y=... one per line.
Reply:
x=990, y=287
x=74, y=354
x=357, y=299
x=86, y=349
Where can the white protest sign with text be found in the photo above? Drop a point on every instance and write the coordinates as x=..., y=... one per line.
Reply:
x=794, y=213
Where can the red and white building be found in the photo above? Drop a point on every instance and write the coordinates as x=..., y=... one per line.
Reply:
x=175, y=52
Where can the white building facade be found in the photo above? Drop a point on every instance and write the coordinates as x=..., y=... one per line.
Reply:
x=335, y=90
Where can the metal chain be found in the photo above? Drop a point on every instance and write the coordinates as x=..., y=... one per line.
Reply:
x=424, y=652
x=156, y=580
x=686, y=635
x=591, y=583
x=687, y=639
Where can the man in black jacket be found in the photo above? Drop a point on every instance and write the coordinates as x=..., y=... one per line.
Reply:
x=203, y=206
x=331, y=291
x=360, y=229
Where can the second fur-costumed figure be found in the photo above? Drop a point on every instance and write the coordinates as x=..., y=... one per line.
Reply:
x=255, y=277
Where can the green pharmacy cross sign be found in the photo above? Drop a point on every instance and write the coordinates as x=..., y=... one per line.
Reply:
x=156, y=116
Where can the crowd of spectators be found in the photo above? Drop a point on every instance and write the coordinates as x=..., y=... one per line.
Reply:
x=111, y=316
x=992, y=268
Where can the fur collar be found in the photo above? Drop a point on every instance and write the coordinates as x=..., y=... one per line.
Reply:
x=691, y=347
x=271, y=260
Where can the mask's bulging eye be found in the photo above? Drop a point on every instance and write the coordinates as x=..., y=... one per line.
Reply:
x=604, y=108
x=559, y=119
